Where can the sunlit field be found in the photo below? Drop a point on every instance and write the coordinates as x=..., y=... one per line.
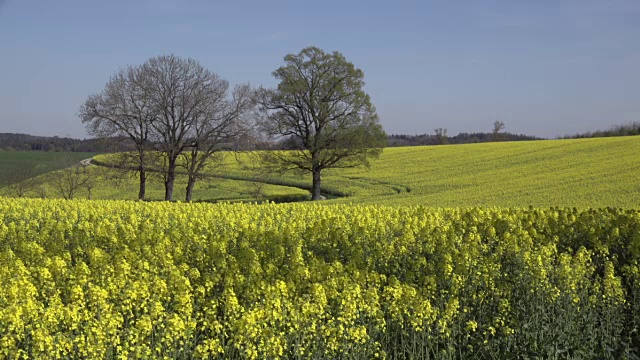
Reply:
x=116, y=279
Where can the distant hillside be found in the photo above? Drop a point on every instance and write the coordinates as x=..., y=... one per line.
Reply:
x=24, y=142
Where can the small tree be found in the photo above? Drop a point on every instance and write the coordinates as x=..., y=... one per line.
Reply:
x=259, y=174
x=41, y=191
x=320, y=103
x=497, y=127
x=73, y=177
x=94, y=176
x=256, y=188
x=22, y=179
x=441, y=134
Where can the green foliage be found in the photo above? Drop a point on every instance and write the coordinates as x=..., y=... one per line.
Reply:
x=321, y=106
x=113, y=279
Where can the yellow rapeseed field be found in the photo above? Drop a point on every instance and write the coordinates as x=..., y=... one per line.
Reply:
x=116, y=279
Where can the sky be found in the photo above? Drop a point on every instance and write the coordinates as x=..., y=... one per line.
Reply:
x=545, y=67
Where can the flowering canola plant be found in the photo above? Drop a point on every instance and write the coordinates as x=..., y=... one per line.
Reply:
x=119, y=280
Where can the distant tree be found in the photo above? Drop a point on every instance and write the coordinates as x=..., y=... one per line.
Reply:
x=124, y=110
x=41, y=191
x=256, y=189
x=497, y=127
x=96, y=175
x=252, y=163
x=68, y=181
x=441, y=134
x=629, y=129
x=320, y=103
x=51, y=143
x=22, y=179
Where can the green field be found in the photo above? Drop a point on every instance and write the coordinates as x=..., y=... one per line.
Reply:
x=40, y=161
x=588, y=172
x=112, y=185
x=599, y=172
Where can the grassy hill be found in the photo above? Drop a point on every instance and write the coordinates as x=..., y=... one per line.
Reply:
x=596, y=172
x=582, y=173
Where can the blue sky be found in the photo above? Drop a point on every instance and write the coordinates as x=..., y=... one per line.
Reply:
x=545, y=68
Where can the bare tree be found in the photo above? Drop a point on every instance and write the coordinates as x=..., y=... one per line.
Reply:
x=70, y=179
x=259, y=173
x=22, y=179
x=256, y=189
x=320, y=103
x=41, y=191
x=497, y=127
x=441, y=134
x=221, y=123
x=182, y=92
x=124, y=110
x=95, y=175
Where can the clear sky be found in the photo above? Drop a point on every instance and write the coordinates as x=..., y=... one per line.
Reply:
x=543, y=67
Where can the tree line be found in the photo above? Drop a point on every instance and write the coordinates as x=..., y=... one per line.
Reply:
x=24, y=142
x=630, y=129
x=461, y=138
x=179, y=116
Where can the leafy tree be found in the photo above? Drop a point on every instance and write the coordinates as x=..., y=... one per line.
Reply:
x=320, y=104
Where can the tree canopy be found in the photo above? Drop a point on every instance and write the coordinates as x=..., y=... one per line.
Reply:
x=174, y=106
x=321, y=106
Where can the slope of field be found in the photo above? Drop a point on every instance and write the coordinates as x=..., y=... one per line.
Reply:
x=40, y=161
x=110, y=184
x=597, y=172
x=588, y=172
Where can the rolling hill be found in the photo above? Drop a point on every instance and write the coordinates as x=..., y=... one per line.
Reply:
x=594, y=172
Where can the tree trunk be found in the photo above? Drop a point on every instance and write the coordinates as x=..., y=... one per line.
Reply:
x=192, y=171
x=190, y=185
x=143, y=184
x=315, y=189
x=168, y=183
